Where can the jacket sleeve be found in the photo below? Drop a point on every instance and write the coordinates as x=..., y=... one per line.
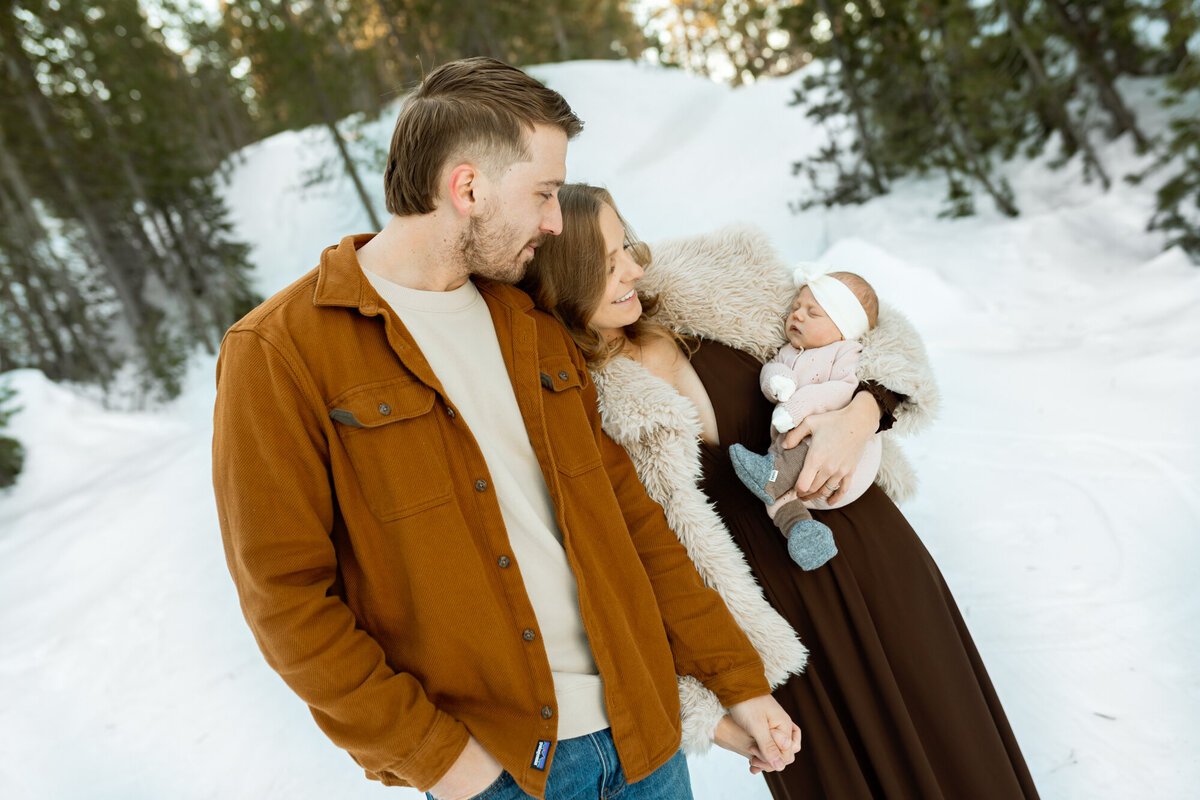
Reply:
x=894, y=357
x=780, y=365
x=827, y=395
x=276, y=509
x=705, y=641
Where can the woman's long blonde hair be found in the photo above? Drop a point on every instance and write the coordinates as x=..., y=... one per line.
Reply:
x=569, y=272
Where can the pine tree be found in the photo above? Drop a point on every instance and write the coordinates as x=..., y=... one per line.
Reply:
x=115, y=242
x=1178, y=208
x=1044, y=93
x=957, y=87
x=926, y=91
x=743, y=38
x=1080, y=28
x=12, y=455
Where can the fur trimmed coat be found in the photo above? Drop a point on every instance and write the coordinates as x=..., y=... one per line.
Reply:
x=733, y=287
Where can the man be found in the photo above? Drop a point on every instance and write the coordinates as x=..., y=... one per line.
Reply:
x=433, y=541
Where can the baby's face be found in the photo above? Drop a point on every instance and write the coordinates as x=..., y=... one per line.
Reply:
x=808, y=325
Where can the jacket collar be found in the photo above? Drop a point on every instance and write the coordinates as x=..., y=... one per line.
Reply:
x=341, y=282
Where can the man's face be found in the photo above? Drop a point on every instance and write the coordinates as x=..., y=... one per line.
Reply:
x=517, y=210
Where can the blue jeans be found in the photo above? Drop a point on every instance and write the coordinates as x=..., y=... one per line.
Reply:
x=586, y=768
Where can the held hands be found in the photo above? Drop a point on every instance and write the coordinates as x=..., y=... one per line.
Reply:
x=730, y=736
x=838, y=440
x=762, y=731
x=473, y=771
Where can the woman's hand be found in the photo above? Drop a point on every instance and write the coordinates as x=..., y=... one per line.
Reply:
x=776, y=738
x=733, y=737
x=838, y=440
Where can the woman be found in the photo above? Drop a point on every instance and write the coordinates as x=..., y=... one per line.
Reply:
x=894, y=701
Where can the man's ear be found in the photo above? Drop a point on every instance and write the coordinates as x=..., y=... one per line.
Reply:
x=462, y=182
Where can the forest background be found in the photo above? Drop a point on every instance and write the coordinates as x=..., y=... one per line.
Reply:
x=151, y=156
x=120, y=119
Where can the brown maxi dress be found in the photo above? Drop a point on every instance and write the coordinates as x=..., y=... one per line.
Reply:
x=895, y=702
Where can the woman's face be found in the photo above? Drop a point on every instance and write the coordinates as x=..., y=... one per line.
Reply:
x=619, y=305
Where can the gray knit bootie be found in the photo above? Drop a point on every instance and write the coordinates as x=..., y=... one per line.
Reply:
x=753, y=470
x=810, y=544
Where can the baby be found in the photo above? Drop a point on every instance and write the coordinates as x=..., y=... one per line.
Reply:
x=815, y=372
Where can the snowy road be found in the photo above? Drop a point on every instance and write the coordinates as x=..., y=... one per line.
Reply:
x=1060, y=490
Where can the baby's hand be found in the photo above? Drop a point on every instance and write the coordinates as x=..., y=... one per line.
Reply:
x=782, y=388
x=782, y=420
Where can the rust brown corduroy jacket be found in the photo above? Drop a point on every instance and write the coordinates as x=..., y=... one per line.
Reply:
x=371, y=559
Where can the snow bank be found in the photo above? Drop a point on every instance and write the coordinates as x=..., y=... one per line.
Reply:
x=1059, y=489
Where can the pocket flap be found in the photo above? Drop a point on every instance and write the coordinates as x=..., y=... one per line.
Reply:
x=382, y=403
x=558, y=374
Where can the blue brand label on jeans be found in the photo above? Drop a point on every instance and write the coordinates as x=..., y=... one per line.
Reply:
x=540, y=754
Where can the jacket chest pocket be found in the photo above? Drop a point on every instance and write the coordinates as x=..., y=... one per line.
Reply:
x=571, y=439
x=394, y=441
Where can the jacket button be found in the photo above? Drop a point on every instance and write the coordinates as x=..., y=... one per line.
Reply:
x=480, y=485
x=385, y=409
x=563, y=376
x=528, y=635
x=503, y=562
x=547, y=712
x=450, y=412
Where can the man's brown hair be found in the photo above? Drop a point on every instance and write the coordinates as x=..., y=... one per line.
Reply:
x=475, y=107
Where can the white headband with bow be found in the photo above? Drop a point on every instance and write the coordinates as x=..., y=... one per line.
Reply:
x=835, y=297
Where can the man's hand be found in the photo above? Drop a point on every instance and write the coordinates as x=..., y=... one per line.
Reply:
x=733, y=738
x=474, y=770
x=776, y=737
x=838, y=440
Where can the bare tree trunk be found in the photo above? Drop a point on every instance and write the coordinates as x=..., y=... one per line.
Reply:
x=160, y=249
x=425, y=27
x=19, y=213
x=359, y=87
x=1179, y=50
x=193, y=286
x=1097, y=72
x=206, y=110
x=124, y=284
x=328, y=118
x=40, y=338
x=1057, y=109
x=850, y=87
x=973, y=160
x=560, y=33
x=397, y=42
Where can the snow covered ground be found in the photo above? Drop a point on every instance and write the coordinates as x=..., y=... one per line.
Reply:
x=1060, y=490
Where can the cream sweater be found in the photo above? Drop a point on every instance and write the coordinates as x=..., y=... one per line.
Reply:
x=455, y=333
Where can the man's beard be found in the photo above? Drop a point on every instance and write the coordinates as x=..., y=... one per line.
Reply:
x=494, y=251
